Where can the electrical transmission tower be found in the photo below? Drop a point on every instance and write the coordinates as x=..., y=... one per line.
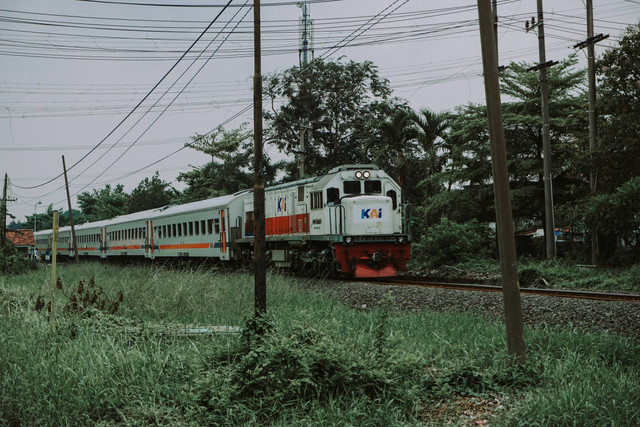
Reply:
x=306, y=33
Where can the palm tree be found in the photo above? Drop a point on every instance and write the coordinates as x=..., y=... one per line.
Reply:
x=398, y=135
x=432, y=133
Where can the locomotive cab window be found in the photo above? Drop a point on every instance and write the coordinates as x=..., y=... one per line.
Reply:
x=373, y=187
x=394, y=198
x=316, y=200
x=333, y=195
x=352, y=187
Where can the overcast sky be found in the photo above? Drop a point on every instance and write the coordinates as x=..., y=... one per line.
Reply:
x=72, y=71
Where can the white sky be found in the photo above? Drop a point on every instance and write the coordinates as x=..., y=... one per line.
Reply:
x=72, y=70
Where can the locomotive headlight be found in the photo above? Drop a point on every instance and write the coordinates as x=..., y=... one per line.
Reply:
x=366, y=174
x=359, y=175
x=348, y=240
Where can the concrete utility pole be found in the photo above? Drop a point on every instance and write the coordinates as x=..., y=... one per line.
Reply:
x=589, y=43
x=549, y=226
x=306, y=25
x=259, y=244
x=73, y=228
x=504, y=219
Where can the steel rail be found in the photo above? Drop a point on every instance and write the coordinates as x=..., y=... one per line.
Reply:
x=561, y=293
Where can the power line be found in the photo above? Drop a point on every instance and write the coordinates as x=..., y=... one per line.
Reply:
x=138, y=105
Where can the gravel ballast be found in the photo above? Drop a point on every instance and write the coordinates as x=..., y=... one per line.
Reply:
x=620, y=318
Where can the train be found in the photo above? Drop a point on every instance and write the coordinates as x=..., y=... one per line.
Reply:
x=349, y=222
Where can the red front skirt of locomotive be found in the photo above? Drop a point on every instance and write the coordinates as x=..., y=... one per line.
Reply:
x=372, y=259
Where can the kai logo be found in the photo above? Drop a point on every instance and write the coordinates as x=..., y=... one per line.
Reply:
x=371, y=213
x=282, y=204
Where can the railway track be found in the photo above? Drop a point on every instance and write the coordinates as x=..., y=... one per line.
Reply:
x=562, y=293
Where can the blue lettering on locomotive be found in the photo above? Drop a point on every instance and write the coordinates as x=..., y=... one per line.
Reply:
x=282, y=204
x=371, y=213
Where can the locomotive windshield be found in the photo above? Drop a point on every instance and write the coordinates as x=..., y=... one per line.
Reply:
x=373, y=187
x=351, y=187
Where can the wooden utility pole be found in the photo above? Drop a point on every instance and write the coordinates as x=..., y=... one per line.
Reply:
x=73, y=228
x=54, y=275
x=494, y=10
x=504, y=219
x=259, y=244
x=3, y=212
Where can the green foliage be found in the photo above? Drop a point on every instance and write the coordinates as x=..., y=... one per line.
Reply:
x=105, y=203
x=619, y=112
x=449, y=242
x=559, y=274
x=151, y=193
x=341, y=104
x=302, y=367
x=617, y=217
x=12, y=262
x=317, y=362
x=230, y=168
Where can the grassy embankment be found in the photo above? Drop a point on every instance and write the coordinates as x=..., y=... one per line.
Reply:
x=319, y=362
x=558, y=274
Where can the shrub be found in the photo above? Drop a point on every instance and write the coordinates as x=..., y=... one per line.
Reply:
x=450, y=242
x=12, y=262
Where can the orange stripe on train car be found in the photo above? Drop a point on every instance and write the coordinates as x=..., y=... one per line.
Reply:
x=186, y=246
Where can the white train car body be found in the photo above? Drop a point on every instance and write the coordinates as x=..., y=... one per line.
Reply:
x=348, y=221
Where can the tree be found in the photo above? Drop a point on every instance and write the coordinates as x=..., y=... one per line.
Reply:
x=617, y=216
x=151, y=193
x=230, y=168
x=619, y=112
x=523, y=132
x=105, y=203
x=338, y=102
x=395, y=146
x=467, y=166
x=432, y=134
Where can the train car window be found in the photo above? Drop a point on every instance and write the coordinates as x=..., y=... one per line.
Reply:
x=190, y=228
x=301, y=194
x=196, y=229
x=316, y=200
x=249, y=224
x=216, y=225
x=164, y=231
x=210, y=226
x=352, y=187
x=173, y=230
x=373, y=187
x=179, y=230
x=143, y=233
x=394, y=198
x=333, y=195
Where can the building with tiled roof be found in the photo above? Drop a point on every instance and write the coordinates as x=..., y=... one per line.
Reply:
x=22, y=240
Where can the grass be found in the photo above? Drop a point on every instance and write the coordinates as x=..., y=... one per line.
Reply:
x=558, y=274
x=318, y=362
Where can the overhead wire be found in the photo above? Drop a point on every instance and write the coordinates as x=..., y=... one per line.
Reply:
x=247, y=108
x=176, y=96
x=137, y=105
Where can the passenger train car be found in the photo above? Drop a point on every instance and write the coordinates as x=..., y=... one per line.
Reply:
x=349, y=222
